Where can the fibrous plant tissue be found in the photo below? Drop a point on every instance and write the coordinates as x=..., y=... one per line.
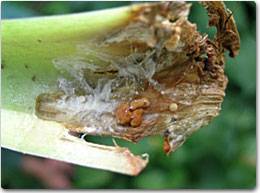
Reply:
x=154, y=75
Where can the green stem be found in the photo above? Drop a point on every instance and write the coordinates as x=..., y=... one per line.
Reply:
x=29, y=47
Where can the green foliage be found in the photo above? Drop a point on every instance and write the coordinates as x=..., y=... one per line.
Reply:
x=91, y=178
x=221, y=155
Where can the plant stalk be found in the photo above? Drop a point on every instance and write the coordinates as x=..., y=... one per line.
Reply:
x=29, y=47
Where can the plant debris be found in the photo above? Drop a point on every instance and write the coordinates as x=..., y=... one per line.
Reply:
x=155, y=75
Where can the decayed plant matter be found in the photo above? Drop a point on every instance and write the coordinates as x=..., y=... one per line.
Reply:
x=128, y=72
x=156, y=74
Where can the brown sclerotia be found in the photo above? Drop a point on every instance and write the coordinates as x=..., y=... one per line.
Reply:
x=123, y=114
x=165, y=78
x=131, y=114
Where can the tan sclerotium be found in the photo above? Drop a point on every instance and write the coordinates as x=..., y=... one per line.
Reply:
x=173, y=107
x=139, y=103
x=137, y=117
x=123, y=114
x=165, y=78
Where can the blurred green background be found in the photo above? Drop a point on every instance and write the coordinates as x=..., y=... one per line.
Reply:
x=221, y=155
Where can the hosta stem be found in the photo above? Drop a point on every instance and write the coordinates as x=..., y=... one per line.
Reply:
x=29, y=47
